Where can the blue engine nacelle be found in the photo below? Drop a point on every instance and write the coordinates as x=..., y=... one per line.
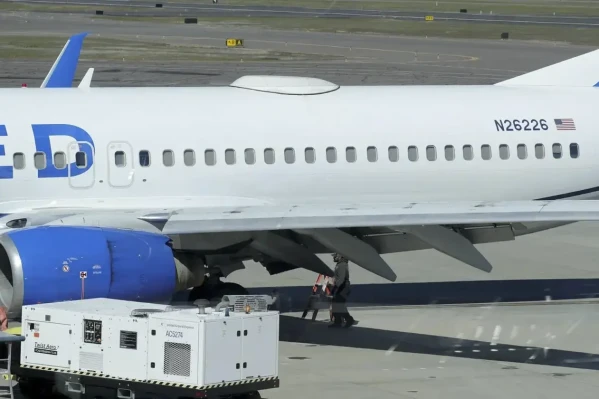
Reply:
x=61, y=263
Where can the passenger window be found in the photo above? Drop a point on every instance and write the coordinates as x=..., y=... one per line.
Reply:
x=289, y=155
x=522, y=153
x=331, y=155
x=310, y=155
x=60, y=160
x=250, y=156
x=574, y=150
x=269, y=156
x=393, y=154
x=230, y=156
x=449, y=153
x=18, y=160
x=431, y=153
x=144, y=158
x=557, y=151
x=39, y=160
x=504, y=151
x=540, y=151
x=80, y=159
x=168, y=158
x=119, y=159
x=485, y=152
x=350, y=154
x=210, y=157
x=371, y=154
x=468, y=152
x=413, y=153
x=189, y=157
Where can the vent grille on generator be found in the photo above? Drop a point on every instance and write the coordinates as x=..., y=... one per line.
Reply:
x=257, y=303
x=177, y=359
x=91, y=361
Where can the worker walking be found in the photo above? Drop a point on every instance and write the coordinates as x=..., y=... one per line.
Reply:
x=340, y=292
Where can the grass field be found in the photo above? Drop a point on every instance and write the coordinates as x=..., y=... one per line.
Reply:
x=11, y=6
x=44, y=47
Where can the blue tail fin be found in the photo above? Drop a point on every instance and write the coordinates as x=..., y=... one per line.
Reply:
x=62, y=72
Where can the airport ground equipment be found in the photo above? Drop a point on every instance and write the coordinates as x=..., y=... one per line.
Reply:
x=320, y=297
x=131, y=350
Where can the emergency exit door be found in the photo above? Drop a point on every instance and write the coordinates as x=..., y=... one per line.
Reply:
x=80, y=165
x=120, y=164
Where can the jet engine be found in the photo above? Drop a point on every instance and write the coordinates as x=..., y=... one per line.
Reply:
x=61, y=263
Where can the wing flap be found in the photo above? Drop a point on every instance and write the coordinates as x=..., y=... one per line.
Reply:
x=278, y=217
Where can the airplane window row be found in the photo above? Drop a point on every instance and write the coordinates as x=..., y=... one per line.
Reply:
x=289, y=156
x=40, y=162
x=351, y=154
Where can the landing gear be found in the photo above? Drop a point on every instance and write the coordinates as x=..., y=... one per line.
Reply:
x=214, y=292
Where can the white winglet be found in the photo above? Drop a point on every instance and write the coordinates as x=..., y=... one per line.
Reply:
x=87, y=79
x=581, y=71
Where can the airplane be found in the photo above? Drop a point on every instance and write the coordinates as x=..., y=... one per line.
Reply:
x=138, y=193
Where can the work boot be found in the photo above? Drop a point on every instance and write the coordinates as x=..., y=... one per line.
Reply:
x=349, y=321
x=337, y=321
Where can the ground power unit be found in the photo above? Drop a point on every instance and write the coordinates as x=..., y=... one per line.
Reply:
x=194, y=347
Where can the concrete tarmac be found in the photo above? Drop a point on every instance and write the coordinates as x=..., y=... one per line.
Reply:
x=147, y=9
x=515, y=351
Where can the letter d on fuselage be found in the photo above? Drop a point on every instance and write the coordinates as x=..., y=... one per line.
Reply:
x=42, y=134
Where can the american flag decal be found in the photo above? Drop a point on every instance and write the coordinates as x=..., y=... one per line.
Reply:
x=565, y=124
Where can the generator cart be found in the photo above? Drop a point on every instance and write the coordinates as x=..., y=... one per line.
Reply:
x=107, y=348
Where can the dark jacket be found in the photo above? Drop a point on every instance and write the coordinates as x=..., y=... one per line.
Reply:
x=342, y=284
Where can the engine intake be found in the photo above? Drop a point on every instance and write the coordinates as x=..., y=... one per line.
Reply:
x=61, y=263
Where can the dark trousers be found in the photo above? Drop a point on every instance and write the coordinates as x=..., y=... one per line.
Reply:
x=339, y=306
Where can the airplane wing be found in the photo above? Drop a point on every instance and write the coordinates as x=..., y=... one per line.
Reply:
x=437, y=224
x=279, y=217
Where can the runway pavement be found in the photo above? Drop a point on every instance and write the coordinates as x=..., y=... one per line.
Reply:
x=148, y=9
x=367, y=59
x=516, y=351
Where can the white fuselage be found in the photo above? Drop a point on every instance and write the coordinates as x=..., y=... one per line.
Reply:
x=226, y=119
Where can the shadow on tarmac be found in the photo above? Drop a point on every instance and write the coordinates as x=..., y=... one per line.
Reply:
x=293, y=329
x=294, y=298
